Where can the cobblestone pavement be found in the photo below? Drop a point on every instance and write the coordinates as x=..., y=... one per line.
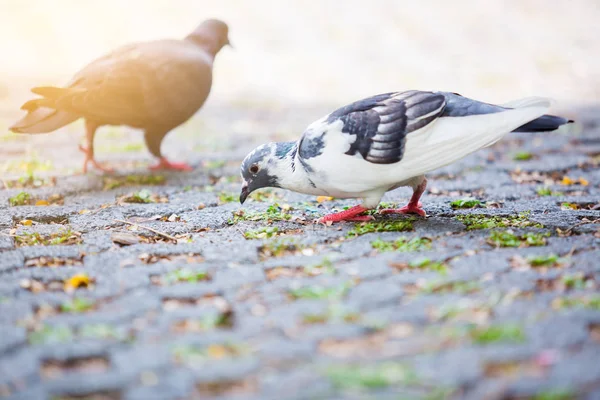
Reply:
x=138, y=287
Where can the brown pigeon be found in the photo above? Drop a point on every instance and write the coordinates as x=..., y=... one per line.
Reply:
x=155, y=86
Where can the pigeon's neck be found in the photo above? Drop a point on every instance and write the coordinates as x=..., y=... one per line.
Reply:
x=291, y=174
x=207, y=44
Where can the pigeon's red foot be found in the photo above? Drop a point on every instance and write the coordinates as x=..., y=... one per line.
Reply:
x=351, y=214
x=89, y=158
x=407, y=209
x=163, y=163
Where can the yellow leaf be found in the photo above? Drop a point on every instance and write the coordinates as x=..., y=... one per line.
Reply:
x=216, y=351
x=85, y=211
x=42, y=203
x=26, y=222
x=77, y=281
x=567, y=181
x=583, y=181
x=321, y=199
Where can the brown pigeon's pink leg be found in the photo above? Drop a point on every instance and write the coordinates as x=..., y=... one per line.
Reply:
x=163, y=163
x=351, y=214
x=90, y=132
x=414, y=205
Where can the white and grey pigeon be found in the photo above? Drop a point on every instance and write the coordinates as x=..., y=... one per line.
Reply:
x=380, y=143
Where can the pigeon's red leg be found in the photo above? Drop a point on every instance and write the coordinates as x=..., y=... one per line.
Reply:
x=163, y=163
x=413, y=206
x=90, y=132
x=351, y=214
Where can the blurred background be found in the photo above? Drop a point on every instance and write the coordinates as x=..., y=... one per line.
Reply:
x=295, y=60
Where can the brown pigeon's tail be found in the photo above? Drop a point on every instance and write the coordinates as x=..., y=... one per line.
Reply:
x=41, y=117
x=43, y=120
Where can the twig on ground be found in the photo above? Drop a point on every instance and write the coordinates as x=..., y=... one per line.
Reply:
x=149, y=229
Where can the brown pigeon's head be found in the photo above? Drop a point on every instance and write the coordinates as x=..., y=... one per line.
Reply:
x=211, y=35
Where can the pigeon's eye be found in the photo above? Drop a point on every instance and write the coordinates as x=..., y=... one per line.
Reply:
x=253, y=169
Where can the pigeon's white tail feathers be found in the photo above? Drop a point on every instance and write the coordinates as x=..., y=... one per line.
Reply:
x=494, y=125
x=43, y=120
x=524, y=102
x=451, y=138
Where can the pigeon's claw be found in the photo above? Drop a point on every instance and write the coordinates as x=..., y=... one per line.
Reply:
x=407, y=209
x=89, y=158
x=351, y=214
x=166, y=164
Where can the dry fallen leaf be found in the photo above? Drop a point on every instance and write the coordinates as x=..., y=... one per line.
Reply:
x=124, y=239
x=321, y=199
x=31, y=285
x=42, y=203
x=569, y=181
x=26, y=222
x=217, y=351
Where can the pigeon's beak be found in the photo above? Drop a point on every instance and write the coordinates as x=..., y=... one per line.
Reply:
x=244, y=193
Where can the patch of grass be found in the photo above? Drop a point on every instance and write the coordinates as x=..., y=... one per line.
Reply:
x=590, y=302
x=29, y=181
x=460, y=287
x=262, y=233
x=227, y=197
x=124, y=148
x=543, y=261
x=20, y=199
x=426, y=263
x=29, y=166
x=381, y=206
x=321, y=292
x=402, y=244
x=62, y=237
x=569, y=206
x=466, y=203
x=363, y=377
x=335, y=313
x=77, y=305
x=480, y=221
x=546, y=191
x=274, y=212
x=132, y=180
x=576, y=281
x=324, y=267
x=142, y=196
x=555, y=394
x=190, y=354
x=186, y=275
x=214, y=321
x=509, y=239
x=523, y=156
x=99, y=331
x=402, y=225
x=51, y=335
x=497, y=333
x=280, y=247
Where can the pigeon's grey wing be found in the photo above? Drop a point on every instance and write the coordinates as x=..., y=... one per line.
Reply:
x=377, y=126
x=459, y=106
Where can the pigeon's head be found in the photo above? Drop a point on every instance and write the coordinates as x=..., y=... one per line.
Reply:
x=212, y=35
x=264, y=167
